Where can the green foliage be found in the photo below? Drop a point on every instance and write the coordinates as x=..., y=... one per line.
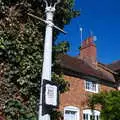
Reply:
x=56, y=115
x=15, y=110
x=59, y=80
x=110, y=103
x=21, y=51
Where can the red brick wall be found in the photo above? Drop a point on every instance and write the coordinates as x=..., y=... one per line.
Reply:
x=88, y=54
x=77, y=96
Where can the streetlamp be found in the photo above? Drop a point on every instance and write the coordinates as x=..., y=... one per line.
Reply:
x=47, y=60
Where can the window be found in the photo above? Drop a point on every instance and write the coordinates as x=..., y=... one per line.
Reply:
x=71, y=113
x=91, y=86
x=89, y=115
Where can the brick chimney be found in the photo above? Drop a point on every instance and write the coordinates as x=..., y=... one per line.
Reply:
x=88, y=51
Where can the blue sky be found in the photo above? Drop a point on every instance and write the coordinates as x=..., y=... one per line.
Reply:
x=102, y=17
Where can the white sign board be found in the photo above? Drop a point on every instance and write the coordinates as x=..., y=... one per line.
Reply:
x=51, y=95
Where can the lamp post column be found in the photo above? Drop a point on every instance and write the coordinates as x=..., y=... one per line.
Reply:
x=46, y=73
x=47, y=61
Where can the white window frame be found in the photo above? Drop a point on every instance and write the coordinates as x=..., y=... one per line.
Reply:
x=89, y=112
x=92, y=89
x=73, y=109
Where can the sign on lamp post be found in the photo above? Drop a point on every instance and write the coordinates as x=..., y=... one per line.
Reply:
x=51, y=94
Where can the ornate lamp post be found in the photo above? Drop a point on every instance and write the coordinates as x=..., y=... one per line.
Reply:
x=47, y=61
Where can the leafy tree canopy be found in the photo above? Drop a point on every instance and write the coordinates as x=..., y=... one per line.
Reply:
x=21, y=54
x=110, y=104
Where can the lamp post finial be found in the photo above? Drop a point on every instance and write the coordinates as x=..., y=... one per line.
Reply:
x=51, y=3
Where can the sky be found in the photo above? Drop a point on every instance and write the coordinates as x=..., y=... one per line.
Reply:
x=102, y=18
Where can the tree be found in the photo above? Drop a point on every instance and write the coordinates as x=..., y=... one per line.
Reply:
x=21, y=54
x=109, y=102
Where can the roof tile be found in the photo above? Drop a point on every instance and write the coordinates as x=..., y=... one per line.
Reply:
x=80, y=66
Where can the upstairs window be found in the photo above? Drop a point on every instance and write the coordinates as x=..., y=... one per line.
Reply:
x=91, y=86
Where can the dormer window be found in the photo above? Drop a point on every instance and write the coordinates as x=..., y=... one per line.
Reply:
x=91, y=86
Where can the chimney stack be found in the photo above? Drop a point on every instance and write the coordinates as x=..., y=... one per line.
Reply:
x=88, y=51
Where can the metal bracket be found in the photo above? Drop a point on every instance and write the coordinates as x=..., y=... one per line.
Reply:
x=47, y=22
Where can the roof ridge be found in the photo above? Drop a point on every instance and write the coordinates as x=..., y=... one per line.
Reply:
x=79, y=65
x=106, y=68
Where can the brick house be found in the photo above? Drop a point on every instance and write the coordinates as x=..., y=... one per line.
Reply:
x=85, y=76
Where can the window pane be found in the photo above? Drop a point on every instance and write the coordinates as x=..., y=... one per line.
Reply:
x=70, y=115
x=97, y=117
x=91, y=86
x=85, y=116
x=91, y=117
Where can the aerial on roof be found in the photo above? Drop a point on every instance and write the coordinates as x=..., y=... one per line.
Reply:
x=77, y=65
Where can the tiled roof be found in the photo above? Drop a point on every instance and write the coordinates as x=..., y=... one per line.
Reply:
x=115, y=66
x=80, y=66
